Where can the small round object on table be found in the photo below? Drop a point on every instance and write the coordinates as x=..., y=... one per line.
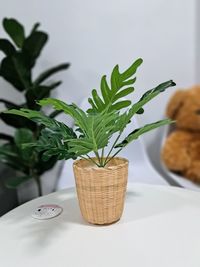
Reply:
x=159, y=227
x=47, y=211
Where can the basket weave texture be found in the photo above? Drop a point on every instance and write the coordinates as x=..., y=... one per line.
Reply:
x=101, y=191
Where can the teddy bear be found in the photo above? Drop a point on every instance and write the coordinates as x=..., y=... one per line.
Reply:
x=181, y=150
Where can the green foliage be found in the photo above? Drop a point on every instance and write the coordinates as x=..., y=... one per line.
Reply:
x=52, y=140
x=16, y=67
x=21, y=52
x=111, y=95
x=95, y=127
x=15, y=30
x=137, y=132
x=23, y=158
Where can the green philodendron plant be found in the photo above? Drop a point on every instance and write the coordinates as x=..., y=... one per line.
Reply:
x=109, y=115
x=20, y=54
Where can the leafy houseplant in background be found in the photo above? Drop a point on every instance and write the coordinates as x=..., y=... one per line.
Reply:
x=20, y=55
x=100, y=179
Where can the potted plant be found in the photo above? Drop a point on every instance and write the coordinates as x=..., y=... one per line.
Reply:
x=100, y=179
x=17, y=65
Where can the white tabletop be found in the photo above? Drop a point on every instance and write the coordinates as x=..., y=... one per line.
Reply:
x=160, y=227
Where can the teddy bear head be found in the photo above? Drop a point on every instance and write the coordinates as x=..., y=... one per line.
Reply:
x=184, y=107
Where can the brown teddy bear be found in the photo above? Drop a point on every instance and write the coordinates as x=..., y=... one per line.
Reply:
x=181, y=151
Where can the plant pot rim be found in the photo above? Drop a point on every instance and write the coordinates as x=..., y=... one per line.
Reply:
x=112, y=165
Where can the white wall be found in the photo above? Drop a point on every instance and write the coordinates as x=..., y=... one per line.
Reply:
x=95, y=35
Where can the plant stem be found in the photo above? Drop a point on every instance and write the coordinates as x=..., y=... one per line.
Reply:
x=98, y=157
x=102, y=156
x=39, y=185
x=90, y=159
x=105, y=162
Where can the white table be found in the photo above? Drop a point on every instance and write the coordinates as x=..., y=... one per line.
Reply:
x=160, y=227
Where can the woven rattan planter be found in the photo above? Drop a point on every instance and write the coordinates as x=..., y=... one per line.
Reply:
x=101, y=191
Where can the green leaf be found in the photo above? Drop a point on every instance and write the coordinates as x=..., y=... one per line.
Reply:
x=116, y=90
x=6, y=137
x=94, y=108
x=33, y=46
x=23, y=136
x=148, y=96
x=16, y=181
x=42, y=166
x=9, y=156
x=97, y=134
x=55, y=113
x=99, y=103
x=53, y=144
x=16, y=121
x=6, y=47
x=39, y=117
x=77, y=114
x=15, y=30
x=46, y=74
x=132, y=69
x=123, y=93
x=35, y=27
x=36, y=93
x=129, y=82
x=13, y=69
x=115, y=79
x=95, y=128
x=105, y=90
x=8, y=104
x=121, y=105
x=137, y=132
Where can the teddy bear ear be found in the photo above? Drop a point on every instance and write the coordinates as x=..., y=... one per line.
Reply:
x=175, y=102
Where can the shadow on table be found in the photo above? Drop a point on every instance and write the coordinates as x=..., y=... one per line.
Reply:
x=43, y=232
x=139, y=206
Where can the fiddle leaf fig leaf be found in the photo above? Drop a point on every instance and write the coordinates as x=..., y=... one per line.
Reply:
x=23, y=151
x=15, y=30
x=6, y=137
x=46, y=74
x=35, y=27
x=9, y=155
x=13, y=69
x=16, y=181
x=17, y=122
x=39, y=92
x=9, y=104
x=33, y=46
x=23, y=136
x=6, y=47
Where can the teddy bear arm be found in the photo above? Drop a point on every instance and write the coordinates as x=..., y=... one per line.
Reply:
x=175, y=152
